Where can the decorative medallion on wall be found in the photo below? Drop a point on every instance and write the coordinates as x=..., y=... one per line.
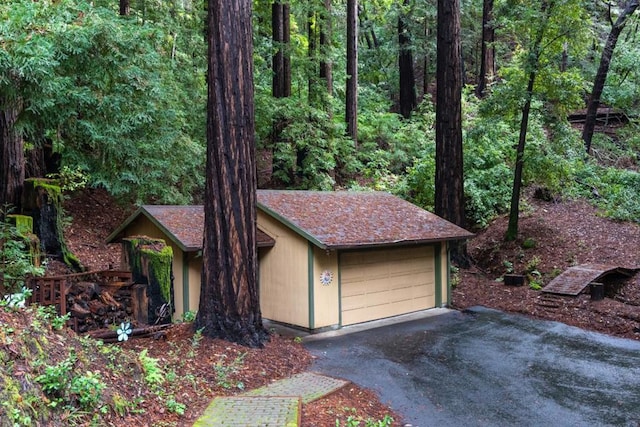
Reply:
x=326, y=277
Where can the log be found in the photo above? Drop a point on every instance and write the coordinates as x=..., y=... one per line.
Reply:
x=106, y=298
x=79, y=312
x=112, y=336
x=97, y=307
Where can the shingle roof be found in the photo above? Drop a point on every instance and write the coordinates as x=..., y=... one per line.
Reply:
x=348, y=219
x=331, y=220
x=184, y=225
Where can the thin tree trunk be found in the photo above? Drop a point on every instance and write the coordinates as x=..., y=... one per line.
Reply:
x=229, y=306
x=603, y=70
x=408, y=99
x=351, y=114
x=313, y=55
x=449, y=180
x=487, y=63
x=325, y=48
x=533, y=64
x=11, y=156
x=277, y=31
x=514, y=211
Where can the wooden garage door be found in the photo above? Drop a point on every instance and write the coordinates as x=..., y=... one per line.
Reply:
x=383, y=283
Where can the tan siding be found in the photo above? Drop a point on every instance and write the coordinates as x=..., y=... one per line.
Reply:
x=325, y=297
x=383, y=283
x=444, y=269
x=195, y=281
x=284, y=290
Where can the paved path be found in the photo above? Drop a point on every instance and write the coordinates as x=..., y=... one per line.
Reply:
x=275, y=405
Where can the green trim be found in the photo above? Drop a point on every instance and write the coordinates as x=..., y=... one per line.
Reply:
x=339, y=289
x=448, y=275
x=292, y=226
x=185, y=282
x=310, y=277
x=437, y=260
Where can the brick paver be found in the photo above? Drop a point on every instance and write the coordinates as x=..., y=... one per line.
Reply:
x=308, y=385
x=275, y=405
x=257, y=411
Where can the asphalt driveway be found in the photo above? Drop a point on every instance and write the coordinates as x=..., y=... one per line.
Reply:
x=483, y=367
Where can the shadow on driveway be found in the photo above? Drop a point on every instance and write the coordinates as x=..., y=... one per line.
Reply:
x=483, y=367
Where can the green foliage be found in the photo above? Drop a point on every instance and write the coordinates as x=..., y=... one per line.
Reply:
x=103, y=90
x=153, y=374
x=175, y=406
x=16, y=260
x=70, y=179
x=225, y=371
x=615, y=191
x=189, y=316
x=49, y=315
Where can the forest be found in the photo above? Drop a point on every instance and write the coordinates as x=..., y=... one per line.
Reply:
x=113, y=95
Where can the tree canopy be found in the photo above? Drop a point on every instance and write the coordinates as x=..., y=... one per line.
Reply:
x=121, y=100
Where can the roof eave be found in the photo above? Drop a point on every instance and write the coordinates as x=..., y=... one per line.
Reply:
x=355, y=246
x=293, y=226
x=142, y=211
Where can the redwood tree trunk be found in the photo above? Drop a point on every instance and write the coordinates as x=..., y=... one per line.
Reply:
x=229, y=307
x=487, y=62
x=449, y=181
x=124, y=8
x=408, y=99
x=351, y=114
x=603, y=70
x=11, y=156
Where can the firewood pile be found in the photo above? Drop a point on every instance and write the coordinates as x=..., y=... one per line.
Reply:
x=95, y=305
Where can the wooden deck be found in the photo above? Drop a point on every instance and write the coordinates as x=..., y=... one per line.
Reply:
x=575, y=279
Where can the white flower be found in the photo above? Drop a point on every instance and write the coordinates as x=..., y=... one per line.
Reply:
x=124, y=331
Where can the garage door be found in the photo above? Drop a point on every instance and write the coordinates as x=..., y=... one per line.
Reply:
x=383, y=283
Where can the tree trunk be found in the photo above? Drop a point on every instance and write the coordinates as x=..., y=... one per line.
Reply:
x=408, y=99
x=277, y=31
x=11, y=156
x=286, y=41
x=514, y=211
x=532, y=66
x=124, y=8
x=229, y=306
x=313, y=56
x=351, y=114
x=449, y=181
x=603, y=70
x=487, y=62
x=325, y=47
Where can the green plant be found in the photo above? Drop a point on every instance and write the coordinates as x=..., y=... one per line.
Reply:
x=16, y=261
x=175, y=406
x=508, y=265
x=535, y=285
x=189, y=316
x=529, y=243
x=70, y=179
x=87, y=389
x=224, y=372
x=55, y=379
x=48, y=314
x=153, y=374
